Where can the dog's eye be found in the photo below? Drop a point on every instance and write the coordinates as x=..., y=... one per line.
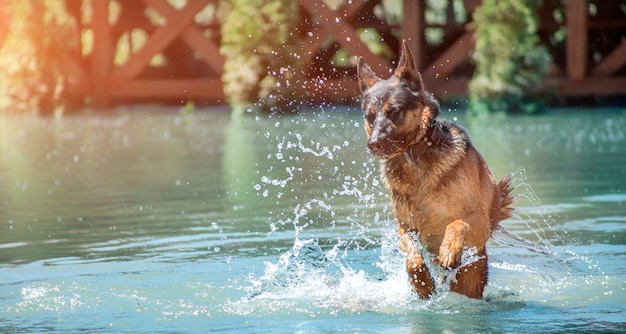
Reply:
x=396, y=116
x=370, y=117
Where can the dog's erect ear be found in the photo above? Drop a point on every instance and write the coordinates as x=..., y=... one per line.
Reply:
x=407, y=71
x=366, y=76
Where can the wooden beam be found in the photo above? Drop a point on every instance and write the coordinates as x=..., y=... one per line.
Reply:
x=471, y=5
x=161, y=38
x=599, y=86
x=413, y=28
x=311, y=43
x=348, y=37
x=101, y=57
x=191, y=35
x=169, y=88
x=451, y=58
x=612, y=62
x=446, y=88
x=576, y=24
x=344, y=89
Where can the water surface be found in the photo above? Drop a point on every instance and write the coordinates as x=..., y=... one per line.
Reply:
x=160, y=221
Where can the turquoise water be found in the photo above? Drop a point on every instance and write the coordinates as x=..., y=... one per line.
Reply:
x=157, y=221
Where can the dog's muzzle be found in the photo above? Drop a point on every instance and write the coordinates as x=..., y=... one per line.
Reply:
x=380, y=142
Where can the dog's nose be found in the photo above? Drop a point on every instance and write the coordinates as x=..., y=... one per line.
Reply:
x=375, y=146
x=380, y=148
x=378, y=142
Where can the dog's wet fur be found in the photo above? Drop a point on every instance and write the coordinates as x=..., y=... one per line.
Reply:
x=444, y=196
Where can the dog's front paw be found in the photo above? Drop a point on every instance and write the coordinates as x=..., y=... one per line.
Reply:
x=451, y=249
x=450, y=255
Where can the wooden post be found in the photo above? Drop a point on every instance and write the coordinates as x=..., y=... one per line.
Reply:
x=101, y=53
x=413, y=28
x=576, y=39
x=5, y=21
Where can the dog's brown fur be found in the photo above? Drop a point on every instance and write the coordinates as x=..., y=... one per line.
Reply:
x=441, y=188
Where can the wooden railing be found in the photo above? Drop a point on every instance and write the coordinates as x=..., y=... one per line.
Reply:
x=446, y=65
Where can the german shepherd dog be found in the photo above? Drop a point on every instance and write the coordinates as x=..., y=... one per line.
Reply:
x=444, y=197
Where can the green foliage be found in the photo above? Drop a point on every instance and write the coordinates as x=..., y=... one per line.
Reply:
x=510, y=62
x=36, y=72
x=259, y=42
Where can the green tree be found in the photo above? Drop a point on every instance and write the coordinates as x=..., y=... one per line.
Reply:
x=510, y=61
x=37, y=74
x=259, y=41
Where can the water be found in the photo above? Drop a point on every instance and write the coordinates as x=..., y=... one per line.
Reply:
x=160, y=221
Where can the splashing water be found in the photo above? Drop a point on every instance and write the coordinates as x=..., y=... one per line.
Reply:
x=307, y=276
x=551, y=268
x=173, y=246
x=327, y=278
x=354, y=264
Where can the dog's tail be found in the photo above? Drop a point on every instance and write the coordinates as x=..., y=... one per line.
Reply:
x=506, y=198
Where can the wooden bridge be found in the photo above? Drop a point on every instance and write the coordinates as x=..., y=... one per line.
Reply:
x=180, y=60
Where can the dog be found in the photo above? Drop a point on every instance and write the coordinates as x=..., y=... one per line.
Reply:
x=445, y=199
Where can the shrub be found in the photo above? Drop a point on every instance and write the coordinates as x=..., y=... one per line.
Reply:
x=259, y=42
x=36, y=73
x=510, y=62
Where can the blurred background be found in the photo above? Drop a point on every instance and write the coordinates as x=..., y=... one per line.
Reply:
x=518, y=56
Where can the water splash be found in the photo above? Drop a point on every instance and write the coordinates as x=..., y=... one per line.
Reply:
x=304, y=260
x=527, y=268
x=540, y=248
x=306, y=277
x=308, y=274
x=325, y=275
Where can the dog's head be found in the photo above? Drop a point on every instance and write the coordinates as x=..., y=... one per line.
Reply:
x=398, y=111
